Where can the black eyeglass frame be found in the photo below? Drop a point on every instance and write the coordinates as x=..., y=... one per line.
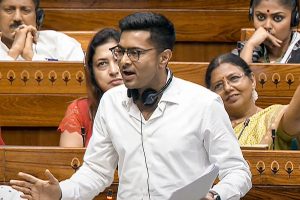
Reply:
x=129, y=53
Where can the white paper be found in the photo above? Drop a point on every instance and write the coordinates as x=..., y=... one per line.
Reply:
x=198, y=188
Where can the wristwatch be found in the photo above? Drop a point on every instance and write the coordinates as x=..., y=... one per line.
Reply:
x=216, y=196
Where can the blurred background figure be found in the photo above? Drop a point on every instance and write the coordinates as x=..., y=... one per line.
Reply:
x=231, y=77
x=21, y=38
x=102, y=74
x=274, y=40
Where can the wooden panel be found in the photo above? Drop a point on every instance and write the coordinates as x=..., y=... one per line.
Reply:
x=62, y=162
x=34, y=160
x=267, y=185
x=246, y=33
x=191, y=25
x=183, y=51
x=264, y=101
x=270, y=185
x=276, y=80
x=271, y=160
x=146, y=4
x=267, y=75
x=42, y=78
x=187, y=70
x=45, y=104
x=273, y=192
x=197, y=22
x=31, y=136
x=200, y=51
x=33, y=110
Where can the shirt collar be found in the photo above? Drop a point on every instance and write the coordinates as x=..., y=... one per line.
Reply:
x=170, y=95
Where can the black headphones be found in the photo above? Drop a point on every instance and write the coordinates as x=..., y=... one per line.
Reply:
x=294, y=17
x=39, y=13
x=149, y=96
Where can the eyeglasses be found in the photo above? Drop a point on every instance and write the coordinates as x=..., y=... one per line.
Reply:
x=232, y=80
x=133, y=53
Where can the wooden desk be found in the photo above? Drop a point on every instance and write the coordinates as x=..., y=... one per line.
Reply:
x=36, y=87
x=34, y=95
x=62, y=162
x=275, y=174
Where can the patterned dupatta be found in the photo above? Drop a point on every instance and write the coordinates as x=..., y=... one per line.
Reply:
x=260, y=126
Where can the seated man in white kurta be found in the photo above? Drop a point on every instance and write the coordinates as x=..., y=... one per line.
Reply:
x=21, y=39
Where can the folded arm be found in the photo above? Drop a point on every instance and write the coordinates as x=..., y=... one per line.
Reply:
x=260, y=36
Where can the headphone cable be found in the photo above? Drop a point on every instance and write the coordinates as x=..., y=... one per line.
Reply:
x=145, y=156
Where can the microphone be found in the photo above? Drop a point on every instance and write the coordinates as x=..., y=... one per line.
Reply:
x=246, y=122
x=83, y=134
x=273, y=138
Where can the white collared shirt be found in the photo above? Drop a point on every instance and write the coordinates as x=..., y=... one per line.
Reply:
x=188, y=131
x=51, y=46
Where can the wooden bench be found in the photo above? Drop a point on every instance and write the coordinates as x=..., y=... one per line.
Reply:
x=34, y=95
x=275, y=174
x=246, y=33
x=145, y=4
x=62, y=162
x=205, y=29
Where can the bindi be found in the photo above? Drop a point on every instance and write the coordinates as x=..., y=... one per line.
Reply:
x=268, y=10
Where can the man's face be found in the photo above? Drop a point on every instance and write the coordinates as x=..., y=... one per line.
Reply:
x=13, y=13
x=139, y=73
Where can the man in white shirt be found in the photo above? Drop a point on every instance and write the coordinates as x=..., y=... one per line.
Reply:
x=21, y=39
x=161, y=131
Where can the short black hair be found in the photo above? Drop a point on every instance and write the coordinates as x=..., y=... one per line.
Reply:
x=162, y=32
x=226, y=58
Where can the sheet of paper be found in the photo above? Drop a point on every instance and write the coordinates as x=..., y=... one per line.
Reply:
x=198, y=188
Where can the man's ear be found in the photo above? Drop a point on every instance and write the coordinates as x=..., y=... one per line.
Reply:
x=165, y=57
